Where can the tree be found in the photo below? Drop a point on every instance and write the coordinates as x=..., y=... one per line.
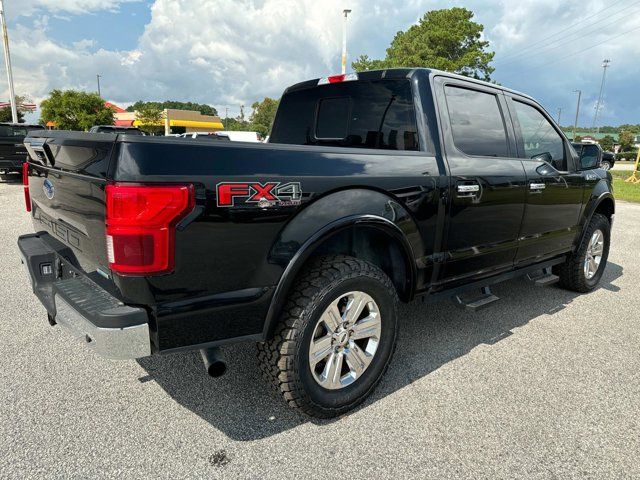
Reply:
x=443, y=39
x=74, y=110
x=6, y=116
x=151, y=118
x=626, y=139
x=203, y=108
x=607, y=143
x=262, y=116
x=5, y=112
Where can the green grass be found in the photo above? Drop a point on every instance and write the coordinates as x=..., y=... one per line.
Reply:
x=625, y=191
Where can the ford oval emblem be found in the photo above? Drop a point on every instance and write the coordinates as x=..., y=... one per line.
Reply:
x=47, y=186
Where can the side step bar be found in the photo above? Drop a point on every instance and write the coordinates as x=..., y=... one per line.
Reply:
x=545, y=279
x=476, y=303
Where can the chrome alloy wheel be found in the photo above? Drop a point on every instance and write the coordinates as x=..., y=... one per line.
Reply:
x=345, y=340
x=593, y=256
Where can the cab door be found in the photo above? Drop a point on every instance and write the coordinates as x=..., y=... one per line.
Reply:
x=554, y=188
x=487, y=181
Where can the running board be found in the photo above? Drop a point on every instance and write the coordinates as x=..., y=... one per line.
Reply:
x=474, y=304
x=545, y=279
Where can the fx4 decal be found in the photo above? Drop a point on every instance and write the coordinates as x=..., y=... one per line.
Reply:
x=270, y=194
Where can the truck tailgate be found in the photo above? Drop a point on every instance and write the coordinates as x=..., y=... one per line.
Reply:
x=68, y=174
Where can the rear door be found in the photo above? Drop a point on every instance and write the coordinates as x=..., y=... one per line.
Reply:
x=487, y=180
x=554, y=185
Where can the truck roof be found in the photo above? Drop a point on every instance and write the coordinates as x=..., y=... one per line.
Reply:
x=404, y=73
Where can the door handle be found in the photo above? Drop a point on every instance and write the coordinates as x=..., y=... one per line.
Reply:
x=537, y=186
x=468, y=190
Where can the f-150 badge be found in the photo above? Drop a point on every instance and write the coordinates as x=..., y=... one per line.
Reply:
x=263, y=195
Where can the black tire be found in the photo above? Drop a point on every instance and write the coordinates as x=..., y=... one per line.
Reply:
x=606, y=165
x=284, y=360
x=571, y=273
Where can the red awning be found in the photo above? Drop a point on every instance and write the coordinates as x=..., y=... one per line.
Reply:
x=124, y=123
x=114, y=107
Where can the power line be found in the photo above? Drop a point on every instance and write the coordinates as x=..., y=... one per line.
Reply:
x=563, y=32
x=551, y=46
x=536, y=67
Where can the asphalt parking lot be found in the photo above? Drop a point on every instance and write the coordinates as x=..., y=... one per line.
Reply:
x=546, y=384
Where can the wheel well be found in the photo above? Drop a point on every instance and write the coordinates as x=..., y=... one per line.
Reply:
x=375, y=246
x=606, y=208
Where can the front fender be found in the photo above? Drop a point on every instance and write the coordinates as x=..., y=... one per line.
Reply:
x=600, y=192
x=330, y=215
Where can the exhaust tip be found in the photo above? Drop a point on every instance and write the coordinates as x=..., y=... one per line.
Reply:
x=213, y=362
x=217, y=369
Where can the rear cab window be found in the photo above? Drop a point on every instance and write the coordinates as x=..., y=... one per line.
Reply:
x=376, y=114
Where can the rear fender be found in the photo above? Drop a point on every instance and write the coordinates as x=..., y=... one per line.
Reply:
x=334, y=213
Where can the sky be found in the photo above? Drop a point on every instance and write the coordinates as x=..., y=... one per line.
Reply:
x=228, y=53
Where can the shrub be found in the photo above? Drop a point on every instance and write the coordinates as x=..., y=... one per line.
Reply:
x=629, y=155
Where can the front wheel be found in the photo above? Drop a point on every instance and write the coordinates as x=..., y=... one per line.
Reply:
x=584, y=268
x=336, y=336
x=605, y=165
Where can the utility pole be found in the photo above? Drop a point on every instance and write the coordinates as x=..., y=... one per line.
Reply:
x=98, y=78
x=344, y=41
x=559, y=113
x=7, y=62
x=605, y=65
x=226, y=117
x=575, y=124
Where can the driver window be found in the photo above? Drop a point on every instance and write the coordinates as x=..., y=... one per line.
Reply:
x=539, y=136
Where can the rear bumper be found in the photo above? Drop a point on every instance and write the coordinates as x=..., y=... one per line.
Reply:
x=109, y=327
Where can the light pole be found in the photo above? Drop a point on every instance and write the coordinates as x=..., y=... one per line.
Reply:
x=98, y=78
x=344, y=41
x=559, y=113
x=7, y=62
x=605, y=65
x=575, y=124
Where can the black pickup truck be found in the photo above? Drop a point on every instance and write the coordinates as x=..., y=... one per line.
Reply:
x=375, y=188
x=12, y=151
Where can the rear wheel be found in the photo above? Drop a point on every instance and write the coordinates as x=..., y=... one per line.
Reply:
x=336, y=336
x=584, y=268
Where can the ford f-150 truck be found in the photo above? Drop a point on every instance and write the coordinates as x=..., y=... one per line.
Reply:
x=375, y=188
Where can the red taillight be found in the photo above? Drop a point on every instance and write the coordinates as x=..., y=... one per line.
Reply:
x=348, y=77
x=25, y=182
x=141, y=221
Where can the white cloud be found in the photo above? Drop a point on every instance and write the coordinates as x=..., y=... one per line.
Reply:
x=232, y=52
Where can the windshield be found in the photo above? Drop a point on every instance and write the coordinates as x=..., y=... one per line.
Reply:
x=375, y=114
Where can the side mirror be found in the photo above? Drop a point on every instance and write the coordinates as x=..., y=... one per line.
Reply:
x=590, y=157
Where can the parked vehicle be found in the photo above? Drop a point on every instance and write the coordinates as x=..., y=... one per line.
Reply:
x=608, y=158
x=375, y=188
x=234, y=136
x=115, y=129
x=12, y=150
x=205, y=136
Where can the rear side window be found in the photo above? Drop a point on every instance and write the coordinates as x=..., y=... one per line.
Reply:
x=476, y=122
x=364, y=114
